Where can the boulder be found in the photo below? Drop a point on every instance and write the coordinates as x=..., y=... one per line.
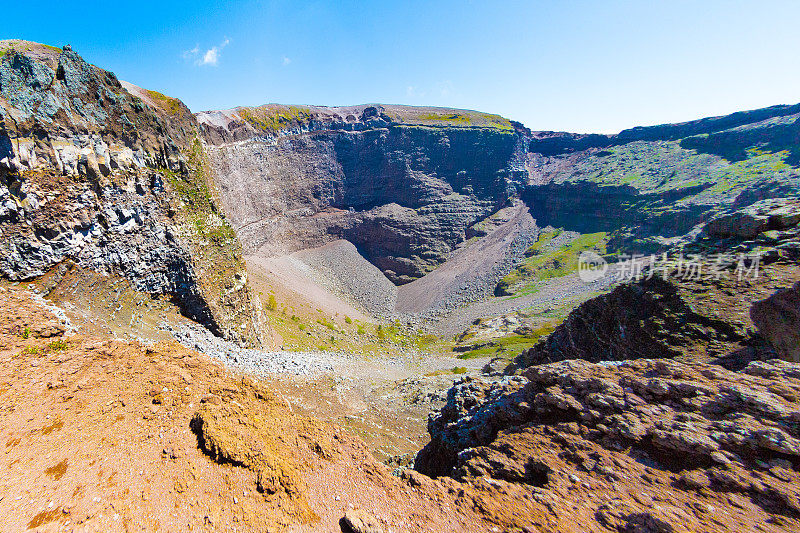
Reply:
x=740, y=224
x=359, y=521
x=748, y=223
x=778, y=321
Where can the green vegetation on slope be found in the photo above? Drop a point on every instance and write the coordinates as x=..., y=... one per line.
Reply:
x=273, y=119
x=315, y=329
x=661, y=167
x=171, y=105
x=544, y=261
x=464, y=119
x=216, y=251
x=509, y=346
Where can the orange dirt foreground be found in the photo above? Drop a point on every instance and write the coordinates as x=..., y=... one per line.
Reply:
x=110, y=435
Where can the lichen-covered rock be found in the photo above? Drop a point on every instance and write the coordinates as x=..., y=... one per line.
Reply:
x=628, y=432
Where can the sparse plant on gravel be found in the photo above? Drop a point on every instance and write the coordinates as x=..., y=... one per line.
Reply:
x=58, y=345
x=25, y=333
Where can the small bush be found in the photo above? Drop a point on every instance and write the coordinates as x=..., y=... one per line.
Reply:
x=459, y=370
x=25, y=333
x=58, y=345
x=348, y=320
x=360, y=330
x=30, y=350
x=301, y=327
x=272, y=303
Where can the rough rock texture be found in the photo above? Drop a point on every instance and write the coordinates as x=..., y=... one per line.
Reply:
x=113, y=177
x=750, y=222
x=778, y=320
x=359, y=521
x=720, y=449
x=701, y=317
x=110, y=435
x=402, y=184
x=256, y=362
x=649, y=186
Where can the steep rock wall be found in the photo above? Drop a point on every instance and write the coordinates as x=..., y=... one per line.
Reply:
x=114, y=178
x=650, y=186
x=403, y=192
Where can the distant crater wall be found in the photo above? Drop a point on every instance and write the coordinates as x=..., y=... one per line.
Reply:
x=405, y=195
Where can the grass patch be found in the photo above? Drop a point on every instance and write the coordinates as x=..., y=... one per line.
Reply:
x=58, y=345
x=473, y=119
x=173, y=106
x=510, y=346
x=273, y=119
x=328, y=324
x=543, y=262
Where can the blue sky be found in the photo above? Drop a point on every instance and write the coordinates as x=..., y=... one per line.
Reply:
x=587, y=66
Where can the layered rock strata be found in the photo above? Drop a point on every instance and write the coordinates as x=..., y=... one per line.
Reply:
x=113, y=177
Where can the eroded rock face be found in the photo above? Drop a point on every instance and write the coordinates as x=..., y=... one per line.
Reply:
x=653, y=318
x=655, y=427
x=778, y=320
x=649, y=186
x=750, y=222
x=112, y=177
x=404, y=193
x=702, y=317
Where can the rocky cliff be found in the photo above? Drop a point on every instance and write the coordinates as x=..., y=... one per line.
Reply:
x=403, y=184
x=114, y=178
x=649, y=186
x=407, y=185
x=647, y=445
x=710, y=315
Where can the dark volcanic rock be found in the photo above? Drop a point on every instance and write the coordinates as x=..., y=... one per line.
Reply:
x=668, y=314
x=112, y=177
x=778, y=320
x=654, y=428
x=653, y=318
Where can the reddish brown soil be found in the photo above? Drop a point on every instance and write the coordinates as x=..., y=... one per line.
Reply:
x=98, y=436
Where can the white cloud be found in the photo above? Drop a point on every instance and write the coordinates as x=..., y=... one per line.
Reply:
x=189, y=54
x=285, y=61
x=210, y=57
